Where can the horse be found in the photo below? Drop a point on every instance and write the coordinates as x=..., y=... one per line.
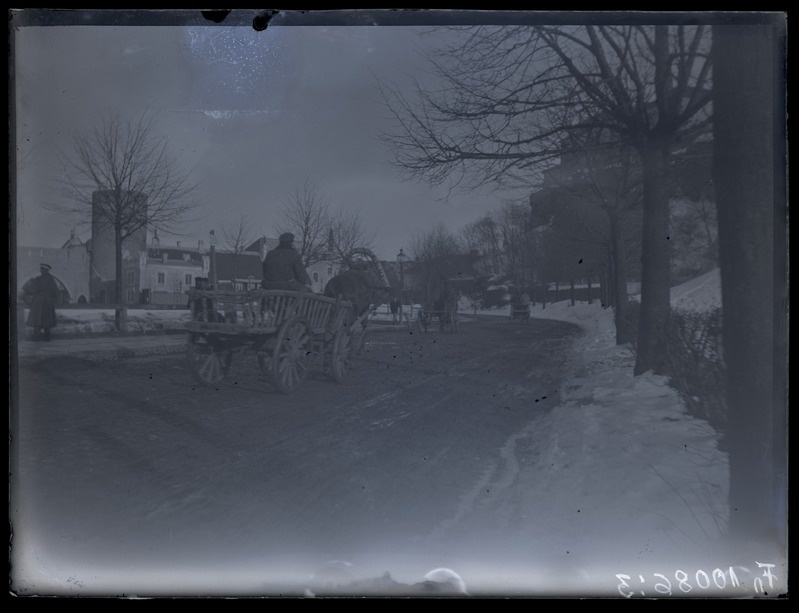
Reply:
x=356, y=286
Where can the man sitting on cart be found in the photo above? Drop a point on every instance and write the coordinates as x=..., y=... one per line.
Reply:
x=283, y=268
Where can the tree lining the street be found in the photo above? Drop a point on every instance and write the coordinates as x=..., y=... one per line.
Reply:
x=321, y=233
x=749, y=177
x=305, y=214
x=511, y=96
x=235, y=238
x=122, y=176
x=594, y=197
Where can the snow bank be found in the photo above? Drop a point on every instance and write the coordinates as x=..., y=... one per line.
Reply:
x=72, y=322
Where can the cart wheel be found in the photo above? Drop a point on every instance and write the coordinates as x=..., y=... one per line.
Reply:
x=341, y=354
x=207, y=363
x=290, y=358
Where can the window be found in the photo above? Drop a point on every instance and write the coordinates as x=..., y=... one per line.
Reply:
x=329, y=270
x=131, y=296
x=188, y=279
x=316, y=277
x=161, y=278
x=131, y=277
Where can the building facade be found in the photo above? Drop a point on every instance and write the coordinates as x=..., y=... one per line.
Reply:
x=163, y=274
x=158, y=275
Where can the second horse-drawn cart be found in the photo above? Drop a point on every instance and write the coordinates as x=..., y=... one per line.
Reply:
x=520, y=311
x=445, y=314
x=285, y=330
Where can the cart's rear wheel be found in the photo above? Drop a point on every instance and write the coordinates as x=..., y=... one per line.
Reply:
x=293, y=348
x=341, y=354
x=208, y=363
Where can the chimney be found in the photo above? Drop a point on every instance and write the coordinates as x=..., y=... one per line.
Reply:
x=178, y=243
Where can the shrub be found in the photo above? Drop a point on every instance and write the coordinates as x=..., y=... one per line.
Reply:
x=696, y=365
x=694, y=360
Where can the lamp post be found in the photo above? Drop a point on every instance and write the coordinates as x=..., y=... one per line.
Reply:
x=401, y=258
x=212, y=242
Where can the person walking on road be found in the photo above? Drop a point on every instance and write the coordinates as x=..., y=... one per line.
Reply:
x=394, y=305
x=41, y=295
x=283, y=268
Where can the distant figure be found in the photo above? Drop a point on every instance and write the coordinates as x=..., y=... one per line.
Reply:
x=41, y=295
x=283, y=268
x=394, y=305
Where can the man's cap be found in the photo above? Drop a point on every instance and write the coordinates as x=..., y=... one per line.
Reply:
x=287, y=237
x=45, y=266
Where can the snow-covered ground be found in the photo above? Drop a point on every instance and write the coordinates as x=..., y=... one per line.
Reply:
x=620, y=468
x=72, y=322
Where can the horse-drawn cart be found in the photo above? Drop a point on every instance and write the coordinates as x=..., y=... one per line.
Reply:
x=446, y=316
x=285, y=330
x=520, y=311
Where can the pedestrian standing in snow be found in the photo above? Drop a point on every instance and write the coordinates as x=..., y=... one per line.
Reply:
x=394, y=305
x=41, y=294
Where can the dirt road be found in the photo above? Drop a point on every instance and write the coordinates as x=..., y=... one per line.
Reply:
x=130, y=467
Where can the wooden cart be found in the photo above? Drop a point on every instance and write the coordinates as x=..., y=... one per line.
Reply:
x=520, y=311
x=447, y=319
x=285, y=330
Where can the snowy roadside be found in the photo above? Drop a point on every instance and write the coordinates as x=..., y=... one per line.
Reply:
x=651, y=478
x=80, y=322
x=618, y=477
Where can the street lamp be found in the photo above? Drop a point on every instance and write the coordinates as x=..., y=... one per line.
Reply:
x=212, y=242
x=401, y=258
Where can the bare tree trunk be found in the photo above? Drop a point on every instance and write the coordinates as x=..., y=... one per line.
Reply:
x=619, y=290
x=571, y=293
x=655, y=274
x=120, y=310
x=746, y=136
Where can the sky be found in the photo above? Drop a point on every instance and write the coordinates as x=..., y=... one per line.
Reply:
x=620, y=467
x=252, y=115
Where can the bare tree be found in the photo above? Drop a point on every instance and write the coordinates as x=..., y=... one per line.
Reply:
x=484, y=237
x=510, y=96
x=751, y=195
x=600, y=189
x=345, y=233
x=306, y=215
x=122, y=177
x=432, y=251
x=236, y=238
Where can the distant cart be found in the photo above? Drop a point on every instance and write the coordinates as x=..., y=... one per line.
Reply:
x=520, y=311
x=285, y=330
x=445, y=318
